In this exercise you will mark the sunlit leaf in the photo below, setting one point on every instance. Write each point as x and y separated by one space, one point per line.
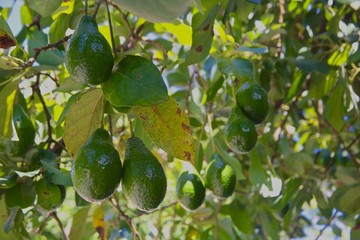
335 109
44 7
168 126
7 98
85 116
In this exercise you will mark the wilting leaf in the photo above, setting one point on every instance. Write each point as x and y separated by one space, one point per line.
168 126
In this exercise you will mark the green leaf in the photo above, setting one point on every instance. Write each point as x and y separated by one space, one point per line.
335 109
7 38
21 195
257 173
339 57
7 98
239 215
48 194
298 163
309 65
238 67
269 224
3 218
78 224
136 82
67 108
58 27
69 85
52 57
44 7
84 117
155 10
168 126
202 36
57 177
213 89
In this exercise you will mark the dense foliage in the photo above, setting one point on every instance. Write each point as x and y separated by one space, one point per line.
301 180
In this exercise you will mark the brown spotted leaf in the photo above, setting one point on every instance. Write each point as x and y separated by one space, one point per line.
7 39
168 127
202 36
84 117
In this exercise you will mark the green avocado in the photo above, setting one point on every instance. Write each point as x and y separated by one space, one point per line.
190 190
96 170
220 178
24 128
253 101
240 133
143 182
88 57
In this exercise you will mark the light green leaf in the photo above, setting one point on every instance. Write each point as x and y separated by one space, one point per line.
85 116
58 27
202 36
339 57
168 126
213 89
155 10
7 98
335 109
136 82
238 67
78 224
44 7
7 38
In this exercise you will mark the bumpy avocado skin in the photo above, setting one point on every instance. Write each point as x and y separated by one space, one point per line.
253 101
97 169
144 182
88 57
220 178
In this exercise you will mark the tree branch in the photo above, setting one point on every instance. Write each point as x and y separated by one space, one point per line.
128 220
36 89
37 51
326 225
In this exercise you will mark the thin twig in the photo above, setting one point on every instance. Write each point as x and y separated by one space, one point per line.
36 89
86 7
97 8
128 220
352 143
326 225
158 209
43 224
111 28
35 22
282 126
37 51
110 125
55 216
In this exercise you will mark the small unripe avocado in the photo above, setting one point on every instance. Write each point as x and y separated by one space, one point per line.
220 178
190 190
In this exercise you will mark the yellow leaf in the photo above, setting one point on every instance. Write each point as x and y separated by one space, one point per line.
85 116
66 7
168 126
99 222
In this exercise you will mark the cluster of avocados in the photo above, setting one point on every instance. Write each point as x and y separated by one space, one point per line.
97 170
220 179
252 107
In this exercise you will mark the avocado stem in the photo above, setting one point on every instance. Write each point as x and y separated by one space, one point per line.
131 127
111 29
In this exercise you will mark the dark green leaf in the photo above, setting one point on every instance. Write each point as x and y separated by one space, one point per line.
238 67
